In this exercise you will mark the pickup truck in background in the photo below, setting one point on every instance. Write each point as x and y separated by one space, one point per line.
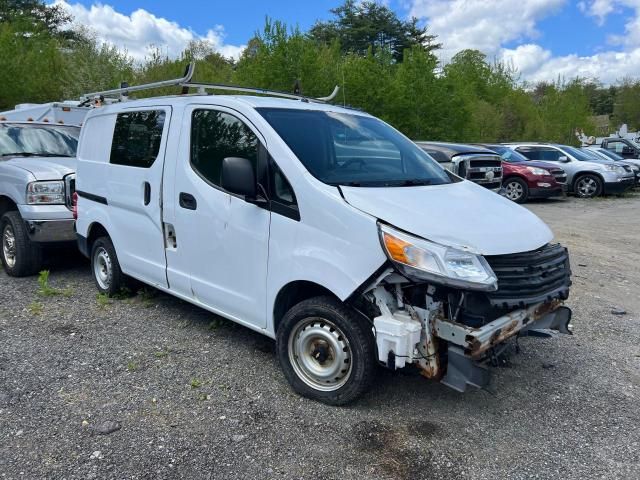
622 146
37 181
476 164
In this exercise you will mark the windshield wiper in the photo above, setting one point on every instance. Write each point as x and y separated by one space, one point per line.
32 154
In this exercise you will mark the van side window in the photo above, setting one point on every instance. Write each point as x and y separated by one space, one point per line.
281 190
136 138
215 136
281 194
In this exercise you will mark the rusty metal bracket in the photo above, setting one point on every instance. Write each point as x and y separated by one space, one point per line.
476 341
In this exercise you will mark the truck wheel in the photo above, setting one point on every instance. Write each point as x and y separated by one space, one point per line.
326 351
516 190
20 256
588 186
105 267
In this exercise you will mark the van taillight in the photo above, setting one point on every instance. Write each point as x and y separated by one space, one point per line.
74 199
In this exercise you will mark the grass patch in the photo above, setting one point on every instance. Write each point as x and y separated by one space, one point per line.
160 354
103 300
132 366
195 383
46 290
35 308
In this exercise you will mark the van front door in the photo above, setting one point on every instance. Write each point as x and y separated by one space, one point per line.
221 241
134 186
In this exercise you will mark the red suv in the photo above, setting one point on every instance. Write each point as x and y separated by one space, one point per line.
523 179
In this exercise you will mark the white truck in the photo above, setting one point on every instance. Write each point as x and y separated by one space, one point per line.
252 208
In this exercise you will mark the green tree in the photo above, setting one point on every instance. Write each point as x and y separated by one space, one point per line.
627 104
363 26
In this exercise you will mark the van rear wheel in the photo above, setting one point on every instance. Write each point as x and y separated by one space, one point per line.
105 267
326 351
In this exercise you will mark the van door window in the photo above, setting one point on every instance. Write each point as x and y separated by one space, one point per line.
137 137
215 136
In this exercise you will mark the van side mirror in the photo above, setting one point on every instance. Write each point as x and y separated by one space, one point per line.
563 159
238 177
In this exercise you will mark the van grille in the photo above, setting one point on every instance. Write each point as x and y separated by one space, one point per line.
531 277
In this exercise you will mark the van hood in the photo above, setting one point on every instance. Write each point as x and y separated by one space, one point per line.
45 168
461 215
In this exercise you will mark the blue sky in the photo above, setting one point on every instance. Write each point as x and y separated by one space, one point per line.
541 38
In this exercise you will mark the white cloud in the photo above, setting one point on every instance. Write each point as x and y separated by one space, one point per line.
481 24
536 64
489 25
136 32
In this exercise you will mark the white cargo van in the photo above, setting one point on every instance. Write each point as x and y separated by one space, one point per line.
319 226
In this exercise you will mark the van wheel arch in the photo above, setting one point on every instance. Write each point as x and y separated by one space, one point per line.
95 231
292 294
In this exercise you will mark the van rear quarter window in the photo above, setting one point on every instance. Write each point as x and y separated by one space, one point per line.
137 137
218 135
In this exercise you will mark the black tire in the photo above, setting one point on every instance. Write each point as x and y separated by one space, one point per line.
517 189
105 267
20 256
588 186
326 317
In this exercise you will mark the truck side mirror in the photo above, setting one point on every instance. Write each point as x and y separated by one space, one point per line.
563 159
238 177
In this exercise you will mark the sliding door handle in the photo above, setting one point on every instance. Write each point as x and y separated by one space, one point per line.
147 193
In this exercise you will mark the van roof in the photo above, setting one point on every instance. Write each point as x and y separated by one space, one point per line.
248 100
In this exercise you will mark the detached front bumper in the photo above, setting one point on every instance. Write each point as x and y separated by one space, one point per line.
51 231
468 346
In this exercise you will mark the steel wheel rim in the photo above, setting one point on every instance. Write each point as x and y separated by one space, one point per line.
587 186
9 246
102 268
320 354
514 191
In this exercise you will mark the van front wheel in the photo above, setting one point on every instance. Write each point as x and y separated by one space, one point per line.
105 267
326 351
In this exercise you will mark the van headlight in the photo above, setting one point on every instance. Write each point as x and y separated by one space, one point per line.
424 260
538 171
45 193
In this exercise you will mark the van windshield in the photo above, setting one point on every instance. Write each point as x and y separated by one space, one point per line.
24 140
354 150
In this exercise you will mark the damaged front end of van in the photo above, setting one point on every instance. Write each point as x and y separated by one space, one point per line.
452 312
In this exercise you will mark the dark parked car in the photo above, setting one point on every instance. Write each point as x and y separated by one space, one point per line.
524 179
477 164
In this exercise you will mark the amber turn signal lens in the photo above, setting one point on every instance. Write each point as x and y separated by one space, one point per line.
396 248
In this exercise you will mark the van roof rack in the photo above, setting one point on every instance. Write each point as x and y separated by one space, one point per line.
122 93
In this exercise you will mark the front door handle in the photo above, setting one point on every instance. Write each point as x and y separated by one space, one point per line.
147 193
187 201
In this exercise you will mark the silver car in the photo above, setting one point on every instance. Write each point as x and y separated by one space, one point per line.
37 180
586 177
605 154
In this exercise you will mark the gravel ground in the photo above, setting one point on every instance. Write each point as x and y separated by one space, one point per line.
152 387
